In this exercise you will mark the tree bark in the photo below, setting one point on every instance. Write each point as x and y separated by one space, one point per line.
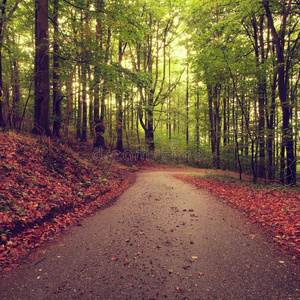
79 107
282 71
56 71
119 100
187 104
42 90
16 118
84 105
3 10
99 140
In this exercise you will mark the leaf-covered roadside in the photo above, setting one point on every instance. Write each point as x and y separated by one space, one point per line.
46 187
276 210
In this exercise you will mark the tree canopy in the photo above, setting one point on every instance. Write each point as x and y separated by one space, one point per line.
211 83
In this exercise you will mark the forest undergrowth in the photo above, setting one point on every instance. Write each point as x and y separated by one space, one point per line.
47 186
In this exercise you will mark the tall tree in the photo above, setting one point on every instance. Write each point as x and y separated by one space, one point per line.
2 17
119 100
57 97
100 94
42 88
283 69
150 53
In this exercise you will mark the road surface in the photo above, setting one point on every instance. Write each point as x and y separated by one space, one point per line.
162 239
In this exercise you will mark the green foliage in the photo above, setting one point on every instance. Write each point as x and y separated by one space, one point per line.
216 39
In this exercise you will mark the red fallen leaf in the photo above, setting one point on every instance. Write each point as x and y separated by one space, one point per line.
114 258
3 239
200 273
126 262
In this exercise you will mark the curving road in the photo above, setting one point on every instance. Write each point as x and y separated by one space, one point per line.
162 239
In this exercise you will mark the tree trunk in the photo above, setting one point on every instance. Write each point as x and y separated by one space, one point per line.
15 83
91 104
56 71
258 45
282 71
119 100
84 105
270 125
215 123
187 104
79 108
119 122
2 123
211 122
84 76
99 140
42 90
197 115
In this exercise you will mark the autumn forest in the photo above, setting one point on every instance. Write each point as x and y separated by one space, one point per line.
213 84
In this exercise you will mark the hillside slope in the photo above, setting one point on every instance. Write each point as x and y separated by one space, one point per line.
46 186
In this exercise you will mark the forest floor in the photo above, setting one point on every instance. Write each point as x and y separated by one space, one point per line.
47 186
161 239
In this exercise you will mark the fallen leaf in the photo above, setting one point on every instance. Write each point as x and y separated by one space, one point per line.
193 258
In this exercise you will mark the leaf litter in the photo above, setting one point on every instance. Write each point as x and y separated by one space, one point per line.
46 187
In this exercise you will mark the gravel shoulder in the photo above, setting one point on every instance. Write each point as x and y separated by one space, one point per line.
162 239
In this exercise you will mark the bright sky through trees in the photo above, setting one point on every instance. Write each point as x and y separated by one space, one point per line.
218 79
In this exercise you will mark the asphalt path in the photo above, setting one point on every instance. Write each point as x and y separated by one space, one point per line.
162 239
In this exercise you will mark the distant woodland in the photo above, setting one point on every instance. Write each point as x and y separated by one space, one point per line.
214 84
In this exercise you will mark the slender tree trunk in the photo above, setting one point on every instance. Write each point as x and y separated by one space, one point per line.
70 97
149 133
261 128
3 10
84 22
119 100
217 122
211 122
56 71
42 89
16 117
99 140
270 125
197 106
225 125
91 105
169 120
79 108
84 105
187 104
